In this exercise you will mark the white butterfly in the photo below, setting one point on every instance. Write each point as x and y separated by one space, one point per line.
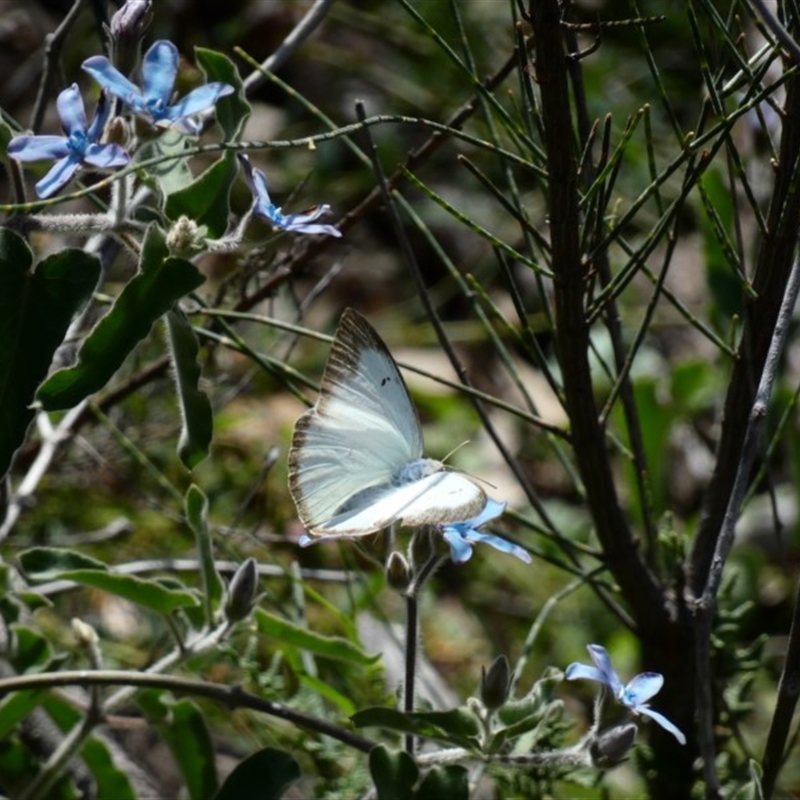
356 465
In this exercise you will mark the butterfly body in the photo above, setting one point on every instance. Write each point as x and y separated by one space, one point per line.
356 464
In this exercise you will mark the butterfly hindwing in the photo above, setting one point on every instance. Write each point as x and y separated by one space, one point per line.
363 428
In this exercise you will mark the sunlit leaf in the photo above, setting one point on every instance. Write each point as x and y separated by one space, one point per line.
333 647
233 109
457 727
196 414
206 199
160 282
42 563
197 517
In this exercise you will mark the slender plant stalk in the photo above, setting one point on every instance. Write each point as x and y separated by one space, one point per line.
706 605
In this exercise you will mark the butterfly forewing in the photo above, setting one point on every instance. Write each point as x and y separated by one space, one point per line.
362 430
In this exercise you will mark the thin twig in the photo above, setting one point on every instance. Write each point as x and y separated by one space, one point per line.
52 438
232 697
307 25
52 51
412 634
774 24
706 605
785 705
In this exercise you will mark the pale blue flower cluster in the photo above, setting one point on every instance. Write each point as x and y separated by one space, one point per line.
633 695
264 207
462 535
152 101
82 143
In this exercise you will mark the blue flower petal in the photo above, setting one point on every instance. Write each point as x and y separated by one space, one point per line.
491 510
577 671
503 545
199 99
37 148
601 658
257 182
461 535
59 175
106 155
663 722
460 548
100 118
264 207
71 111
641 688
111 79
159 70
633 695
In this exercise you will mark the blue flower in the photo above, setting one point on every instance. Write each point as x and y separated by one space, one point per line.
633 695
462 535
79 146
264 207
159 70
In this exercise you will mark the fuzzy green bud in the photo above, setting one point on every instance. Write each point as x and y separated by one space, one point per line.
398 572
242 592
183 235
495 683
611 746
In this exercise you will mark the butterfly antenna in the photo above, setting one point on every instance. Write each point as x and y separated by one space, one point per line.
469 474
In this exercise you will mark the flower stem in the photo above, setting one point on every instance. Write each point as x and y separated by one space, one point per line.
412 625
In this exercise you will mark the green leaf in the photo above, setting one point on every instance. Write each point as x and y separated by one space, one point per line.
197 516
393 772
161 281
40 564
6 135
14 708
110 781
265 775
444 783
206 200
334 647
196 415
36 309
183 727
32 651
457 727
174 174
49 563
233 109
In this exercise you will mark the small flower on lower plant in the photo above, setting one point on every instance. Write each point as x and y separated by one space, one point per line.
462 535
80 145
633 695
264 207
152 101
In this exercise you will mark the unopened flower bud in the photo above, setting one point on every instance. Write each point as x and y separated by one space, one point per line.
398 573
242 592
85 634
88 641
182 236
117 132
611 746
495 683
128 27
